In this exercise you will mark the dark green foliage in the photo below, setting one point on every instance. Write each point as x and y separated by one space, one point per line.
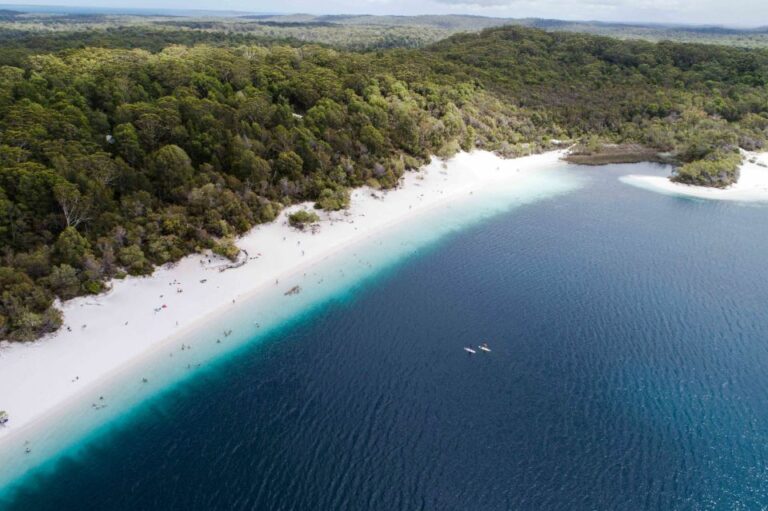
133 260
333 200
25 308
170 170
301 218
63 281
71 248
718 169
226 248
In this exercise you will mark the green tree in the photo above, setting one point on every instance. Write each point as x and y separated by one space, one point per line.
170 169
71 248
289 165
25 309
127 145
64 282
373 139
132 258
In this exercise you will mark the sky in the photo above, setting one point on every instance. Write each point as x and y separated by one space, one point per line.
718 12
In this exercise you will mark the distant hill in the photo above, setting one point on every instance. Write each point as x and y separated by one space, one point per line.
450 24
357 32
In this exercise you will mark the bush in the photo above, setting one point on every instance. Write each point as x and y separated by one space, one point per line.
267 213
719 170
30 325
64 282
26 310
333 200
226 248
132 258
301 218
93 287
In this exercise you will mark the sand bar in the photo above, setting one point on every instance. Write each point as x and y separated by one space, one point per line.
752 185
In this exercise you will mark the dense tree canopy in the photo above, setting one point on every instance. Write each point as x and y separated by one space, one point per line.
116 160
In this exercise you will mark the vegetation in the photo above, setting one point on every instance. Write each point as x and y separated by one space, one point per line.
226 248
333 200
115 160
301 218
21 31
592 152
431 28
718 169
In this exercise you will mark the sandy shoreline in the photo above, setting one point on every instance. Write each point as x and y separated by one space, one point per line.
752 185
111 333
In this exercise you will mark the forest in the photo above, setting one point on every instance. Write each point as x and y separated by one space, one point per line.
116 158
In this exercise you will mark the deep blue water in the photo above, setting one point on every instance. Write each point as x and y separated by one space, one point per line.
629 371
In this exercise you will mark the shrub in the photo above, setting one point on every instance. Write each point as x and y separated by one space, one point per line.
226 248
132 258
26 310
333 200
301 218
64 282
719 169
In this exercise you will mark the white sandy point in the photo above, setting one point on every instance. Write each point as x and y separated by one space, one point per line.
752 185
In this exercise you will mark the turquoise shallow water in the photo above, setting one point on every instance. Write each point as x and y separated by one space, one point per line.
628 372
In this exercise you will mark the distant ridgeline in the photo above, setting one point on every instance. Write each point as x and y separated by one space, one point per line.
113 161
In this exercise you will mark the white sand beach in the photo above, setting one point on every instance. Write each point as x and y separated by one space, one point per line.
105 334
752 185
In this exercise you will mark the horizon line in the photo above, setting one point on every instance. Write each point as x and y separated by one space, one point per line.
235 13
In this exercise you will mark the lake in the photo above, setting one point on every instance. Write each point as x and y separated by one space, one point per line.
628 371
